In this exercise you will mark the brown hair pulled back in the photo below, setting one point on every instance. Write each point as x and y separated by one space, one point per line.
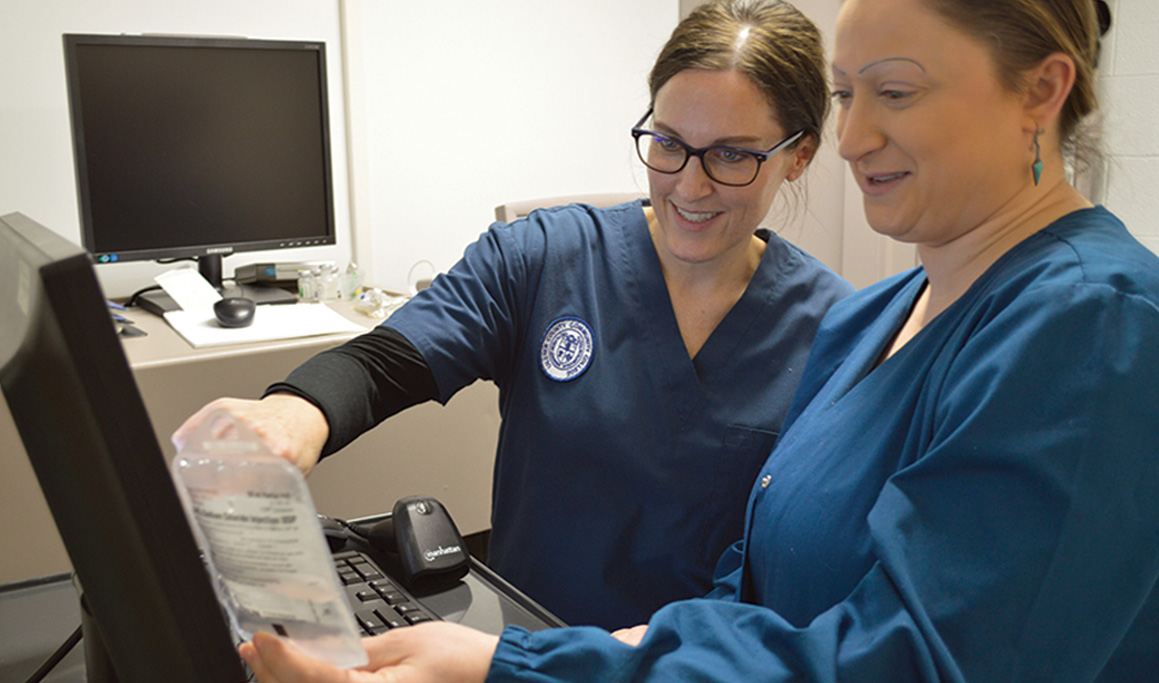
771 42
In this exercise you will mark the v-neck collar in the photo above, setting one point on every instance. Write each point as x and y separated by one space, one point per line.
685 379
764 288
862 362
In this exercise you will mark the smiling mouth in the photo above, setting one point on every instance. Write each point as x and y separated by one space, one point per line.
883 179
696 216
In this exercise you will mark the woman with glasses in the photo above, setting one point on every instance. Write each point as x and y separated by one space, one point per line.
646 354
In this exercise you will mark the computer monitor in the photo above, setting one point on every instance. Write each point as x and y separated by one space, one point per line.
151 613
199 147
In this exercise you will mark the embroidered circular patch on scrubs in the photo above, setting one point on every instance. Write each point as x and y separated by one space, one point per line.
567 349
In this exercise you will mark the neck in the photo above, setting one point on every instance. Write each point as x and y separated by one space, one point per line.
951 267
729 271
703 293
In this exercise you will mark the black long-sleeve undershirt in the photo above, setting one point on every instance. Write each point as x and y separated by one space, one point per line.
361 383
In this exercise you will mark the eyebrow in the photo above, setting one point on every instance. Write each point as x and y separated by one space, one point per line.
879 62
726 141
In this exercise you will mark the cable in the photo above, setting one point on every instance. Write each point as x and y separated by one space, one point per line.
362 531
132 301
380 534
52 661
422 283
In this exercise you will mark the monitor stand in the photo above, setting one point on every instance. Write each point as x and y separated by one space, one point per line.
160 303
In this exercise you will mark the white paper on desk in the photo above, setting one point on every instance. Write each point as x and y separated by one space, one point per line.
271 321
189 289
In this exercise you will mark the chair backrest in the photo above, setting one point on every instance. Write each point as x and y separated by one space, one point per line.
505 213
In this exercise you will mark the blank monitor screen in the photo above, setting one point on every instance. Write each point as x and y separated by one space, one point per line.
199 147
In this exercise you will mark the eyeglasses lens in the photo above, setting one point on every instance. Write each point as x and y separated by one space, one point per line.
722 164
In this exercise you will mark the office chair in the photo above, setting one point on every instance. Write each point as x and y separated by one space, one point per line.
505 213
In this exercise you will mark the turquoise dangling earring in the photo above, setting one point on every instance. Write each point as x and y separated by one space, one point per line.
1037 165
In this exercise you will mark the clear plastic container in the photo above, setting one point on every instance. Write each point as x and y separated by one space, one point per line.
329 282
352 282
252 514
307 285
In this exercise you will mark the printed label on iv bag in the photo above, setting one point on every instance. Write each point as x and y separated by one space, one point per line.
253 517
258 555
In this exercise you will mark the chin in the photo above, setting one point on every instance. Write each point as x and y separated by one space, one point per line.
887 223
891 231
692 253
686 255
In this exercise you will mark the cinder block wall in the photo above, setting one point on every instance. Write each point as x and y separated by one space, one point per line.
1129 89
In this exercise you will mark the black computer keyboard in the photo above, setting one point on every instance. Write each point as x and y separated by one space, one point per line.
379 602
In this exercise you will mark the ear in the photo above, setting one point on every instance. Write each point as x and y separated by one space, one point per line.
801 156
1048 86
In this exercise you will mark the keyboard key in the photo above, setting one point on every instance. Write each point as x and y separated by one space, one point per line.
394 597
367 571
391 618
368 619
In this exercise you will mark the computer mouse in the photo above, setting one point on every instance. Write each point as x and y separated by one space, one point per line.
234 311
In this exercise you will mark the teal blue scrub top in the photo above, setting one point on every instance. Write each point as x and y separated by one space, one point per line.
981 506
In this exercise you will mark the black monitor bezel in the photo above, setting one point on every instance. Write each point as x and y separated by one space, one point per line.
216 250
88 436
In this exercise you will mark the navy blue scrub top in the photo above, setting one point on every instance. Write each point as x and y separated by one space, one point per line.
623 465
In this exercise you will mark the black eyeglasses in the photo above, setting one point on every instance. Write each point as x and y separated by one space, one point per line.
733 166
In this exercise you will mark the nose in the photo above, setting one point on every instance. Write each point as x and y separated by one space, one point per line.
857 132
692 182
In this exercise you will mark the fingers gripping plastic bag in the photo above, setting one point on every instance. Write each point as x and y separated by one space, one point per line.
254 519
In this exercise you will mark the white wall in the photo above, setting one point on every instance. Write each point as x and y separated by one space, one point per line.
36 164
469 105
